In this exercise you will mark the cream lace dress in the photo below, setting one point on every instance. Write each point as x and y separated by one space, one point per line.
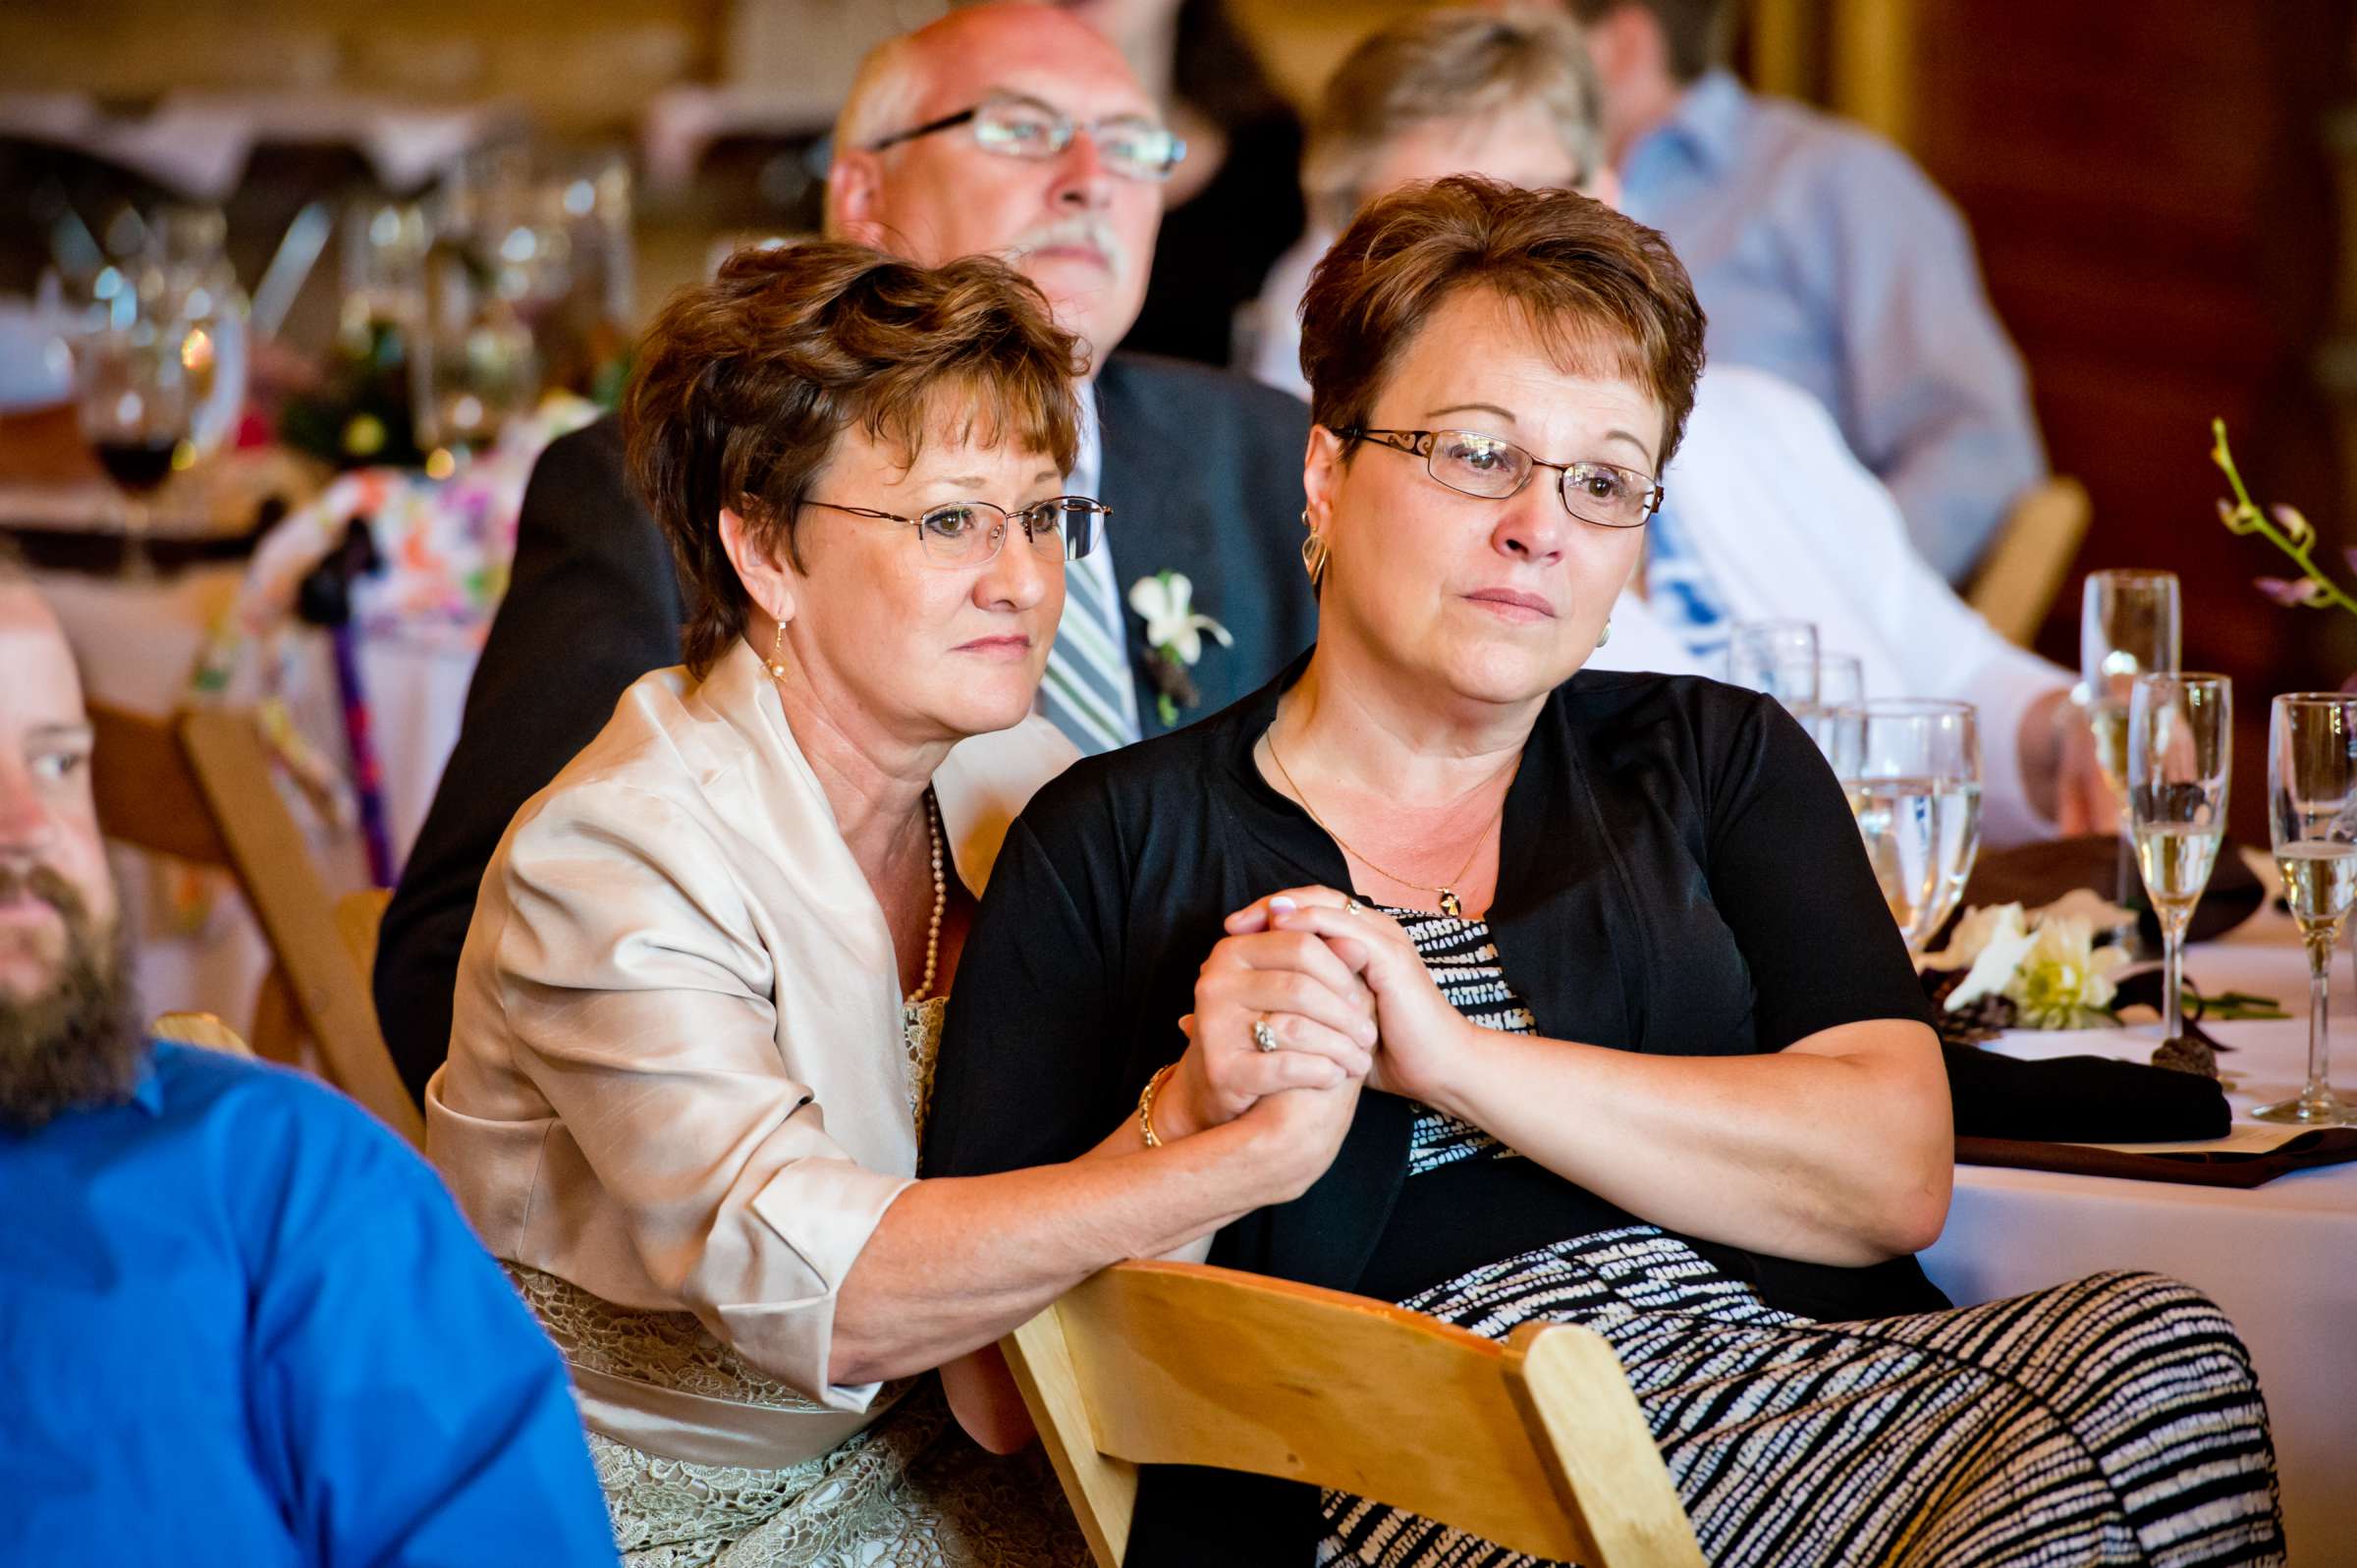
910 1490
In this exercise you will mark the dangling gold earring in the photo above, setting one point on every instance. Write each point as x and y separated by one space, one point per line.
777 654
1313 553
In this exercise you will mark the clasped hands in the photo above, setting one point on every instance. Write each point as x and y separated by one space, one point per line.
1347 1002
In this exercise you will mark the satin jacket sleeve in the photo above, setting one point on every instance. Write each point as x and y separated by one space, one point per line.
637 999
677 1076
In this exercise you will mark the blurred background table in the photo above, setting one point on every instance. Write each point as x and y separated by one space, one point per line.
2280 1259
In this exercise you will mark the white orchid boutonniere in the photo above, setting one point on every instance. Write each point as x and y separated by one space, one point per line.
1174 638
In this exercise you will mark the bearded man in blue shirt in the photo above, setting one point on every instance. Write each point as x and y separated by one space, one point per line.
241 1322
1824 255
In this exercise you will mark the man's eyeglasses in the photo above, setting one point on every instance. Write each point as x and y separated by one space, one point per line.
1134 146
971 533
1495 469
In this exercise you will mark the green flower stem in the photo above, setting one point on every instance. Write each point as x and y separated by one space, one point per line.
2248 518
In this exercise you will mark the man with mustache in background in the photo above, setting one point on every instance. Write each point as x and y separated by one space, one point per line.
1008 129
243 1323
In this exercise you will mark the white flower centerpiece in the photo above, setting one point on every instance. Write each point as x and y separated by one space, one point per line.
2046 965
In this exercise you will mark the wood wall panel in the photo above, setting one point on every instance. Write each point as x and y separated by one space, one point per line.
2148 184
2155 207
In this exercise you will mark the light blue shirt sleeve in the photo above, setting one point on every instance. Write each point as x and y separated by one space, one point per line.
1936 402
413 1409
1825 255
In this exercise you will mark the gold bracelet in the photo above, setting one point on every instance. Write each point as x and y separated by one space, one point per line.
1145 1104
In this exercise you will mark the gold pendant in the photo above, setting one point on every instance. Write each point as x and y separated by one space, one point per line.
1450 907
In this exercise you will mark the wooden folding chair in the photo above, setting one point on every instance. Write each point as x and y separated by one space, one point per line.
2024 568
199 785
358 917
1536 1444
200 1029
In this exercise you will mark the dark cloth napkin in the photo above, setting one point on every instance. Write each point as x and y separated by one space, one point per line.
2321 1146
2081 1099
2034 875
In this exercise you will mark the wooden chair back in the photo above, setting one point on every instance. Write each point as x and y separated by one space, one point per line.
203 1030
358 917
1536 1444
199 785
2024 568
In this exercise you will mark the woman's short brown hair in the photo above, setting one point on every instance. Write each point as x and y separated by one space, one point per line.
1601 292
745 383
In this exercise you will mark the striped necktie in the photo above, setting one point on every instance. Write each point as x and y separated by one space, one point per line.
1088 693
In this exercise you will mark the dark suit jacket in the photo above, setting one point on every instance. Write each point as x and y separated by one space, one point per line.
1203 471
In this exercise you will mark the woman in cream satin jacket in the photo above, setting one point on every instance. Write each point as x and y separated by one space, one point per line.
696 1008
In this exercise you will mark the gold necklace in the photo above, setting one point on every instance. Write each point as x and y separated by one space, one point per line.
1450 904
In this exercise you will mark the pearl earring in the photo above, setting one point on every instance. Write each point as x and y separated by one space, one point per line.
777 654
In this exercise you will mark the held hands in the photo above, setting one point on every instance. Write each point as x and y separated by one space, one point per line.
1318 1014
1424 1040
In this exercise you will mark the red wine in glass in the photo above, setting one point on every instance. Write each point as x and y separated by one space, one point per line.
137 466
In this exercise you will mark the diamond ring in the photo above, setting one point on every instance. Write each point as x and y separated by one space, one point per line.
1354 906
1263 1036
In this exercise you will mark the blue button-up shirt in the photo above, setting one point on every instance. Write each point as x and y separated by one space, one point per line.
1821 252
240 1323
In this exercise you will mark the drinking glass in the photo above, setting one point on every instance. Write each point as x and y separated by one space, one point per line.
196 291
1914 784
2129 625
137 406
2181 754
1841 684
1778 657
2311 816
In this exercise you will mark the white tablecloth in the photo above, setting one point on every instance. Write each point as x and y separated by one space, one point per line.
2280 1259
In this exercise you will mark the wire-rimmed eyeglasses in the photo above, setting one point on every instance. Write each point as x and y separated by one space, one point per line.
1134 146
971 533
1492 468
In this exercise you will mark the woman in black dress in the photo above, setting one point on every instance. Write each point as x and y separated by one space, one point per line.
1651 1057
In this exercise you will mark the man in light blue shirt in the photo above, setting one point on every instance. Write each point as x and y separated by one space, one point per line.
1822 253
241 1323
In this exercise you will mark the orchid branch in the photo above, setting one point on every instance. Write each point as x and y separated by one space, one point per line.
2288 530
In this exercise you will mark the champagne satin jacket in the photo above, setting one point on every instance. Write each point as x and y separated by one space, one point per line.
677 1076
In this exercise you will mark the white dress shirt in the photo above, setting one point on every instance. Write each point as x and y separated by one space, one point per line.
1788 525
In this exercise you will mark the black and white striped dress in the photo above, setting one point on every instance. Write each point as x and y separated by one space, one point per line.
2114 1420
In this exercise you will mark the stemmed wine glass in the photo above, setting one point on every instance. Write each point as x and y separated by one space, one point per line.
1914 783
138 403
2181 754
2311 816
2129 625
1777 657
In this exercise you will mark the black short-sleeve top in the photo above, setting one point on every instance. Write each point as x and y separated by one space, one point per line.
1679 873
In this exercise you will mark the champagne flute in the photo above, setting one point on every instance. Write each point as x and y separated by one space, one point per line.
2311 816
2181 754
2129 625
1914 784
1777 657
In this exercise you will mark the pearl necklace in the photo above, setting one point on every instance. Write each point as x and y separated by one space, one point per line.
941 904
